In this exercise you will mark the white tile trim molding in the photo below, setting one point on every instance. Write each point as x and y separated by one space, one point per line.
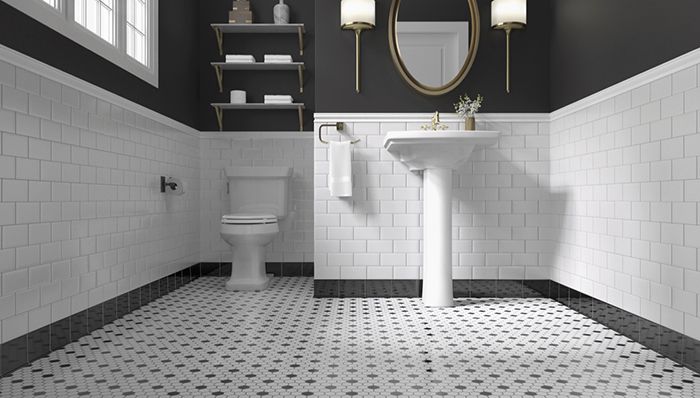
677 64
424 117
28 63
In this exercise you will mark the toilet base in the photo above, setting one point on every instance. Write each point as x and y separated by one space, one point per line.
249 285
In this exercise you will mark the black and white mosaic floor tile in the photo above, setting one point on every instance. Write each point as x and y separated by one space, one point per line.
203 341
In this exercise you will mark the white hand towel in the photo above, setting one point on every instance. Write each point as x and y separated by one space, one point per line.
340 169
278 99
278 58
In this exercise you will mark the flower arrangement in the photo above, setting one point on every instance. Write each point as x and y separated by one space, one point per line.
467 107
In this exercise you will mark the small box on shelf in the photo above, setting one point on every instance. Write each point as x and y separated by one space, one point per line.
240 17
241 5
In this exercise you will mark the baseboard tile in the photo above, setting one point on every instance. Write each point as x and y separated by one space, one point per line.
36 344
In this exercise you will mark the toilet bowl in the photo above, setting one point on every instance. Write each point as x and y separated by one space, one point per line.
248 234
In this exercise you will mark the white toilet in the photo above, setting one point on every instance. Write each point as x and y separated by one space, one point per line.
258 201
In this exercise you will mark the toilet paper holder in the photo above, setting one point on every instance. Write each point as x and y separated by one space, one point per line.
169 184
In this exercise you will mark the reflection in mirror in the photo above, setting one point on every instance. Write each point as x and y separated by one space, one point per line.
433 39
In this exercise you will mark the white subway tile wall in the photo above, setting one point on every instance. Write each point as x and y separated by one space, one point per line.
295 240
500 229
626 170
82 219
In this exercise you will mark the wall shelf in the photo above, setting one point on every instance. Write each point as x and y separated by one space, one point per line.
266 28
219 108
220 67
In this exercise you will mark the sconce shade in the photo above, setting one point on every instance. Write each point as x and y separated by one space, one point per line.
357 11
505 12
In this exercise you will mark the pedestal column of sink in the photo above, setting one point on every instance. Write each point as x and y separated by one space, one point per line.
437 237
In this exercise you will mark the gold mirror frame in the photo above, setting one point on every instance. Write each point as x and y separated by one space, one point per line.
401 67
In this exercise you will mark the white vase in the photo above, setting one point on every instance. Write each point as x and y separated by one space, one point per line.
281 13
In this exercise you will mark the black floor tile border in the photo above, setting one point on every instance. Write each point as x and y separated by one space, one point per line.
681 348
344 288
277 269
19 352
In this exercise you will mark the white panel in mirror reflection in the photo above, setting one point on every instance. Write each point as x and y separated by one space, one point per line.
433 52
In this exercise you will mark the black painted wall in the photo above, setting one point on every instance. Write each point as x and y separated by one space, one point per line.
255 83
597 43
176 96
383 90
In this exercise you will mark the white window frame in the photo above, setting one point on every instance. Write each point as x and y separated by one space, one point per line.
61 20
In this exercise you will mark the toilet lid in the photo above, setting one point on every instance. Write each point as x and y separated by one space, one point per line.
248 219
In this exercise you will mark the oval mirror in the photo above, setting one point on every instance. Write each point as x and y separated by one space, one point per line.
433 43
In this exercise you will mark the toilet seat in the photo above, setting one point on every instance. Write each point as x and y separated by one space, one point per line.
248 219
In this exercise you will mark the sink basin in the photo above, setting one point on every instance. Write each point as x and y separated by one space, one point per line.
421 150
437 153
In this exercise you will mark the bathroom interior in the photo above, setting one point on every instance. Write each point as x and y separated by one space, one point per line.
349 198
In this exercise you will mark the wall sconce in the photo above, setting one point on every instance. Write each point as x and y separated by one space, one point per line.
357 15
508 15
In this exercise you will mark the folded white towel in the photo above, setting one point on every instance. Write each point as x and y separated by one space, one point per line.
240 58
278 58
340 169
278 97
279 102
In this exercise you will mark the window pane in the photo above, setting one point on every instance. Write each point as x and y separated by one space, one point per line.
52 3
97 16
137 29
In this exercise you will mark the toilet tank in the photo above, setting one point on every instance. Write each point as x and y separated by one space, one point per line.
261 190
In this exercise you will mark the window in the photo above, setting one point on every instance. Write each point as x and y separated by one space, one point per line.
124 32
97 16
52 3
136 30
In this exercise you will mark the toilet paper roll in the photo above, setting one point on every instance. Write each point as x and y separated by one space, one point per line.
238 97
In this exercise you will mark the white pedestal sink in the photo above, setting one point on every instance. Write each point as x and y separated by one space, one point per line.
437 153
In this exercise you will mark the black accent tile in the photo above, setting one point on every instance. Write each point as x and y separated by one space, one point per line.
210 269
95 317
78 325
461 288
145 294
14 354
482 288
649 334
671 343
60 333
274 268
110 311
291 269
535 288
509 288
307 269
586 306
225 269
352 288
691 354
326 288
154 289
553 290
406 288
39 343
135 300
378 288
163 287
122 305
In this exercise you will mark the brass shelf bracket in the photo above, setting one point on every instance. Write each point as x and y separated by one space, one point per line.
219 117
219 77
300 68
300 31
219 40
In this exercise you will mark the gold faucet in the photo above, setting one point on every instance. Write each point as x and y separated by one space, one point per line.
435 124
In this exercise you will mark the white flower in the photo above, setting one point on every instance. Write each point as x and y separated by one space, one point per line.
467 107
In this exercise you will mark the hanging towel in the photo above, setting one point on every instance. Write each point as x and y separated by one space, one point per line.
340 169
